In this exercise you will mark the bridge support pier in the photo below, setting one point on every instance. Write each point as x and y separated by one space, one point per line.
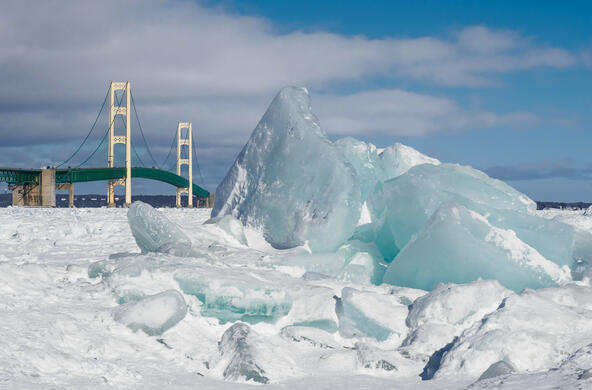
40 194
70 188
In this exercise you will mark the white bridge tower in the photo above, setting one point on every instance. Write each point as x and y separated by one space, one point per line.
114 110
185 161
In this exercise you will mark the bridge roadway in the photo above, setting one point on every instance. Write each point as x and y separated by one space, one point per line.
15 176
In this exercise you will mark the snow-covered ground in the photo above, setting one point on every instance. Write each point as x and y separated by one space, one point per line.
256 312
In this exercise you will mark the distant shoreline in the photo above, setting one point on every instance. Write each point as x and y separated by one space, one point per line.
95 200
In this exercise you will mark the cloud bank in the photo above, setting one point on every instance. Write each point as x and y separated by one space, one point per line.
219 70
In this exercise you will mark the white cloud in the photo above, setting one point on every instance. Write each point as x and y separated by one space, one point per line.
220 70
396 112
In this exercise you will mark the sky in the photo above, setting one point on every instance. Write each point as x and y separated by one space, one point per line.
504 86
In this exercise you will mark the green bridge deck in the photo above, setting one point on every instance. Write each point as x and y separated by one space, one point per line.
17 176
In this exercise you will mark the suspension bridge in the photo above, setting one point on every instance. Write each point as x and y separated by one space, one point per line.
100 158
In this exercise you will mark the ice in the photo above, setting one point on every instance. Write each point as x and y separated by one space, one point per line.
354 262
446 311
363 263
315 337
373 165
232 227
401 206
248 356
59 331
572 373
312 306
529 330
154 314
497 369
459 245
555 240
290 181
369 314
372 358
363 157
232 296
397 159
156 233
234 345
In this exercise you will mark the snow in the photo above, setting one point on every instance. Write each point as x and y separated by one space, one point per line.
436 318
59 330
154 314
322 265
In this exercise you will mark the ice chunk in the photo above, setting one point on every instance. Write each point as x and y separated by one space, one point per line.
290 181
373 165
312 306
497 369
154 314
363 263
230 226
555 240
329 264
572 295
397 159
459 245
242 363
531 331
231 297
373 358
246 355
405 204
369 314
155 233
364 159
436 318
354 262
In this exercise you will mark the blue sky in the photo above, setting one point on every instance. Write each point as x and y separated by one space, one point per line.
502 86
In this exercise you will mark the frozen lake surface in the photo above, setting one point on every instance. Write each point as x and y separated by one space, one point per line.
228 313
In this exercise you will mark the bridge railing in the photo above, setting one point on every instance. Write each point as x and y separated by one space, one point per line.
15 176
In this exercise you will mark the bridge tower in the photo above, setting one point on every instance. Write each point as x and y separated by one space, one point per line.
114 110
185 161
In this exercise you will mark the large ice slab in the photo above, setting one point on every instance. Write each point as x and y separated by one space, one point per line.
401 206
156 233
459 245
233 296
154 314
290 181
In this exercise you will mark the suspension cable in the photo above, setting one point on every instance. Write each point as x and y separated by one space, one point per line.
194 147
89 133
93 153
104 137
163 165
142 131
